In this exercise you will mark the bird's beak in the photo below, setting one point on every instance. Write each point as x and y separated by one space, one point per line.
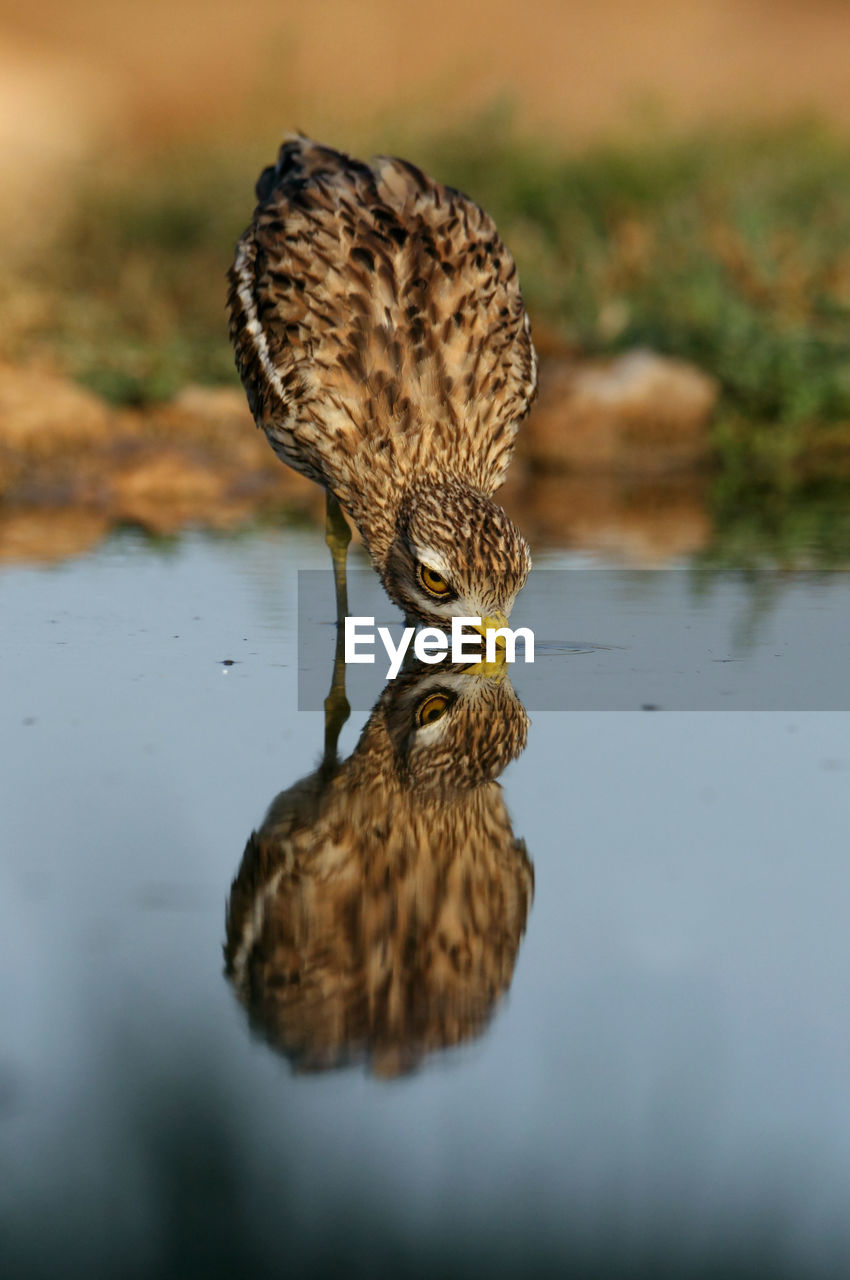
494 623
496 671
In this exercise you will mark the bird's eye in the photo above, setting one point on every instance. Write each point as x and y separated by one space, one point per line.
432 709
433 582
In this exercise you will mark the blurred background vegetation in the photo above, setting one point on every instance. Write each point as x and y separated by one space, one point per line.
729 250
676 178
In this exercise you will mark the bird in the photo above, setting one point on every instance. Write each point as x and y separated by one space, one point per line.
382 339
377 913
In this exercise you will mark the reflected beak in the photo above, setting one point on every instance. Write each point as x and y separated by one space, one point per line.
497 670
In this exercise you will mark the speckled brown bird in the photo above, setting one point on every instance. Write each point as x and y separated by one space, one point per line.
382 339
377 913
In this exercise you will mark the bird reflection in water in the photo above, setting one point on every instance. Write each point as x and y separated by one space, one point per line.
377 913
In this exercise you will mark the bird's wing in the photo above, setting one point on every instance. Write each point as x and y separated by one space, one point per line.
370 305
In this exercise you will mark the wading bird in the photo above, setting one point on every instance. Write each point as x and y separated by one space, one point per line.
382 340
378 911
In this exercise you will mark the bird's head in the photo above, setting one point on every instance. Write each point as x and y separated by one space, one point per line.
451 728
455 553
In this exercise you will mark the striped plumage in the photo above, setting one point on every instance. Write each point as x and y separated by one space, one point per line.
385 350
377 913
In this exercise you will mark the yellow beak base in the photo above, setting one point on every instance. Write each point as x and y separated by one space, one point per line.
494 623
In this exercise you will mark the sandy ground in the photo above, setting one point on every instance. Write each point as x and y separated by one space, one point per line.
76 78
613 455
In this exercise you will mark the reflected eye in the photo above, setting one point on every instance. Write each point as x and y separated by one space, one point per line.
433 582
432 709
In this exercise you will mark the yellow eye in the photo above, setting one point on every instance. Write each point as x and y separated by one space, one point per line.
432 709
433 582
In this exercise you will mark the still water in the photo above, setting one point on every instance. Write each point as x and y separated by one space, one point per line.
609 1034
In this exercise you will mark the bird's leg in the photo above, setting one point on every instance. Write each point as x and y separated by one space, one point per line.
337 708
338 536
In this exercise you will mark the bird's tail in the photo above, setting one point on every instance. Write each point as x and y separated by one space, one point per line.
300 161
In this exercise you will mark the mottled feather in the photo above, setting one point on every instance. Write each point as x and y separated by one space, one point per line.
378 911
380 332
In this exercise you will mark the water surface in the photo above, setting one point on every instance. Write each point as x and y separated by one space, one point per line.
660 1087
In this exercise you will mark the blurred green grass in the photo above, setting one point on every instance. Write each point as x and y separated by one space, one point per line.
758 524
730 251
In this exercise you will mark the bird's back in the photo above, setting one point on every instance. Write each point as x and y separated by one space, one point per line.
378 324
